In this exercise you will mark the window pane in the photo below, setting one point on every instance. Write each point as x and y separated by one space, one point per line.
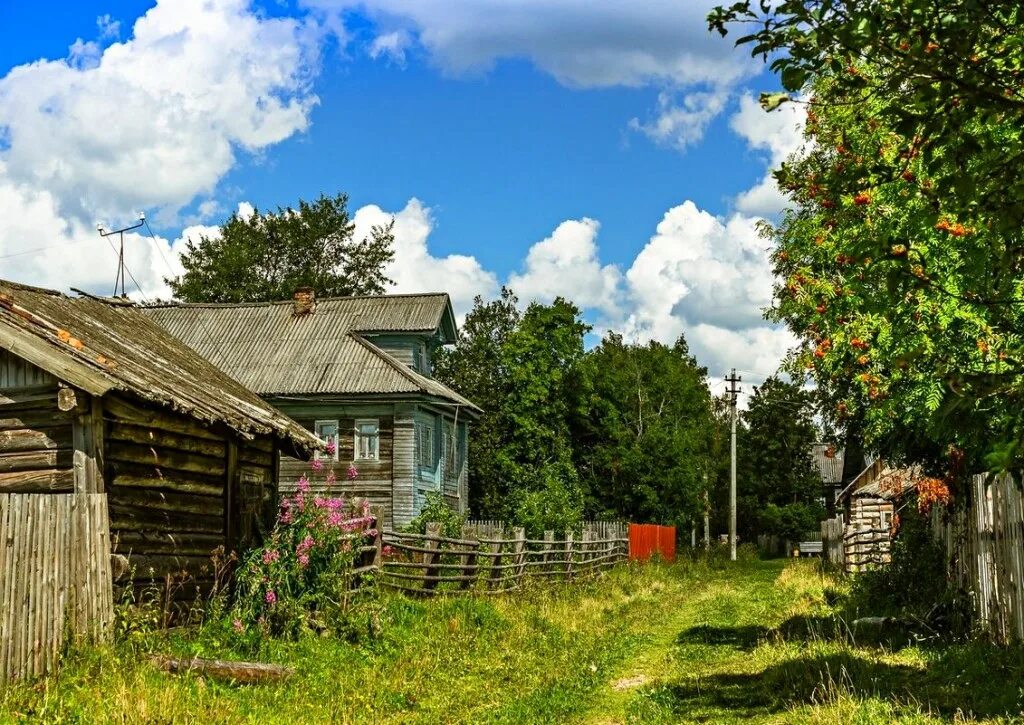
367 437
327 431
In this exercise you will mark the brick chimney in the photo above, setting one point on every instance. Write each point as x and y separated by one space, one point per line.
303 301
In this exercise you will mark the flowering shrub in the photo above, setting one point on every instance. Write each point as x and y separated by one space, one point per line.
300 578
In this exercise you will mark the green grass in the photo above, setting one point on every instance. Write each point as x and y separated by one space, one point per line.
685 643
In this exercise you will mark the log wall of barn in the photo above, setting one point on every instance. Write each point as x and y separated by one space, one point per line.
35 436
166 486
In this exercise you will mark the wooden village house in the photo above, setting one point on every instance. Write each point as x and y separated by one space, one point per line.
357 372
95 397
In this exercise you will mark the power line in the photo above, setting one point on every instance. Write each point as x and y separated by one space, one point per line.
199 318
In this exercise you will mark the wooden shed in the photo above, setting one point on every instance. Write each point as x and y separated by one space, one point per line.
97 398
870 504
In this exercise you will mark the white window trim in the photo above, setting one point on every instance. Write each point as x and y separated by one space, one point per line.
356 436
337 435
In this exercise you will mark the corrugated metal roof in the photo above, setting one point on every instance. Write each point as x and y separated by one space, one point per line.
102 345
830 467
271 351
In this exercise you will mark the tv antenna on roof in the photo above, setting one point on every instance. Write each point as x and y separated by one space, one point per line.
119 279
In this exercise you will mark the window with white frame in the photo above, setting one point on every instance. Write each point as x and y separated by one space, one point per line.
367 439
327 432
425 445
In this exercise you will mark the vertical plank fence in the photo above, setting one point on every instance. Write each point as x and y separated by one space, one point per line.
832 541
55 578
985 549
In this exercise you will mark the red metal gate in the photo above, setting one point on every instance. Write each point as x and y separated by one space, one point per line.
645 540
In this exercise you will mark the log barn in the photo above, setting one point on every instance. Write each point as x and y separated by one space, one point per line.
97 398
358 372
870 504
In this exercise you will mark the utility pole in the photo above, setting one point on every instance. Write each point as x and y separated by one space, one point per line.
734 390
707 516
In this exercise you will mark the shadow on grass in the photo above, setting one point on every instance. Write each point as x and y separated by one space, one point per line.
974 678
728 696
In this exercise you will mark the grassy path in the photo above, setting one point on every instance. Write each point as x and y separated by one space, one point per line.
692 642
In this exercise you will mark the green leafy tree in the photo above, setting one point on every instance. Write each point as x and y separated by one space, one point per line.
520 368
779 489
900 263
642 430
268 255
475 367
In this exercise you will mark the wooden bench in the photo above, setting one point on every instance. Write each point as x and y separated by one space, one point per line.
810 548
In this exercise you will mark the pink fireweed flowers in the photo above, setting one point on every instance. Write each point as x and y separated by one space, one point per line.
239 627
353 472
331 447
303 485
303 560
270 556
270 597
317 464
331 478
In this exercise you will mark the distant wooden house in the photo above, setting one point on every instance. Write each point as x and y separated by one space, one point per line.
97 398
868 506
829 462
356 371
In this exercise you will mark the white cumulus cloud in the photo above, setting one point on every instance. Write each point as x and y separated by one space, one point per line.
415 268
567 264
779 134
150 122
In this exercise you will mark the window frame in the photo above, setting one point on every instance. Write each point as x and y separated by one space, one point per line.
357 436
337 436
428 428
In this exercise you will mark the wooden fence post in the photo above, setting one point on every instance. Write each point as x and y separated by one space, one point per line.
549 538
568 556
519 534
430 559
378 540
496 570
469 559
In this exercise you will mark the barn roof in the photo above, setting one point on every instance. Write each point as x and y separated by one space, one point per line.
329 351
102 345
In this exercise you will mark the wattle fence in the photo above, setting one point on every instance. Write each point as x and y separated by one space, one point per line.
430 563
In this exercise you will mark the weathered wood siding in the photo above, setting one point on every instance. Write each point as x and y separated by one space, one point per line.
17 373
404 464
167 489
35 436
375 478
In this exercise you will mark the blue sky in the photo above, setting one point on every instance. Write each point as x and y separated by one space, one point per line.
613 155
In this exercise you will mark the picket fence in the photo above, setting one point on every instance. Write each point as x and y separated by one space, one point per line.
426 564
55 578
985 549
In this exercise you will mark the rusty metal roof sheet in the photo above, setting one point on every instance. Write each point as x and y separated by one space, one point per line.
272 351
100 345
830 467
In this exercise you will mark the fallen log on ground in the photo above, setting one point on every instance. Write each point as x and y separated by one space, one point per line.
242 672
